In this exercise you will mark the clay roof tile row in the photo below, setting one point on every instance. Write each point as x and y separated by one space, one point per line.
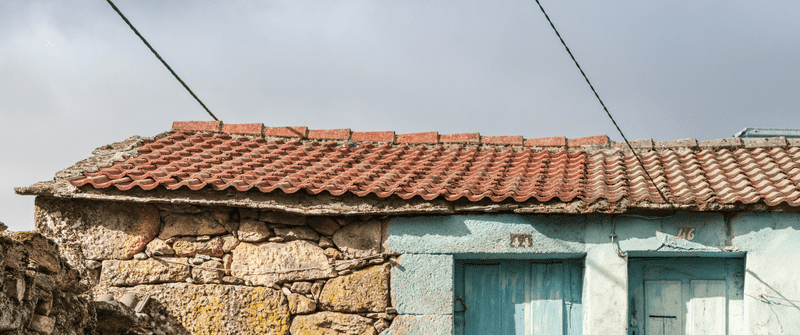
197 155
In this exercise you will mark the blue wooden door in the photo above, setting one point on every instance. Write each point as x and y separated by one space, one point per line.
518 297
686 296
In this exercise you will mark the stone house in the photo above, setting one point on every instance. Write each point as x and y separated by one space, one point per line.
249 229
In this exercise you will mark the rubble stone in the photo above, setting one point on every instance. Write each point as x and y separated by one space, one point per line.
252 230
126 227
14 287
229 242
299 304
220 309
42 324
302 287
11 313
297 233
323 225
330 323
226 263
151 271
160 248
359 239
16 254
325 242
332 253
283 218
191 225
140 256
264 257
41 251
363 291
206 276
114 317
188 247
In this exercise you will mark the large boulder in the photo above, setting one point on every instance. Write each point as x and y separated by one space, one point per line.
360 239
206 223
149 271
119 231
330 323
219 309
272 263
366 290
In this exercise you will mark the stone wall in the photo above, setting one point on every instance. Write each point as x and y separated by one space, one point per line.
218 270
39 290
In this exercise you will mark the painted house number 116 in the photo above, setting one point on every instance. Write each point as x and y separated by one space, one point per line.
686 233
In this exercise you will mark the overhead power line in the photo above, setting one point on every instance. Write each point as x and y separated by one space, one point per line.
602 104
161 59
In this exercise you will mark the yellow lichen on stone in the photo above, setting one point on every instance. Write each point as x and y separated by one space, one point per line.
260 313
220 309
205 316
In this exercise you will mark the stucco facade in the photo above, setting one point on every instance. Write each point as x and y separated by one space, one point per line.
766 241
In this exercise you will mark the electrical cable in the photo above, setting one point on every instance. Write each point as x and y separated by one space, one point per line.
602 104
161 59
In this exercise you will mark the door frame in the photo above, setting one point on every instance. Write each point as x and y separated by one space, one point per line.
729 269
577 284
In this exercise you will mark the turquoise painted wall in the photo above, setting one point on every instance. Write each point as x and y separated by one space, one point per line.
423 281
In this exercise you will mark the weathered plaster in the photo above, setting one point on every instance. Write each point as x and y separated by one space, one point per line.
423 284
771 285
421 324
475 236
768 239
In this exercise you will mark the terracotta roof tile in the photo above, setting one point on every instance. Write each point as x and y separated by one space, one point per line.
471 167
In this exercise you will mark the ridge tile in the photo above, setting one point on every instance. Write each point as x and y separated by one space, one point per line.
591 140
428 137
558 141
197 125
243 128
330 134
298 131
373 136
510 140
460 138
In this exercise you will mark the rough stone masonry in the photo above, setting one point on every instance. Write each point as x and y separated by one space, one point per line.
224 270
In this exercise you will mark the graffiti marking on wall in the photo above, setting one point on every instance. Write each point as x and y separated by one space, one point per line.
686 233
521 241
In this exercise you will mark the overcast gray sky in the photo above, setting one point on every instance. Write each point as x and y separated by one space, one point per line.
73 76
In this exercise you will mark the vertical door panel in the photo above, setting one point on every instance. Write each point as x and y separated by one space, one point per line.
735 295
520 298
513 286
481 292
573 290
707 308
663 307
547 301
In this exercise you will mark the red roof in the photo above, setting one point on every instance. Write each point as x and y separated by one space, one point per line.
198 155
